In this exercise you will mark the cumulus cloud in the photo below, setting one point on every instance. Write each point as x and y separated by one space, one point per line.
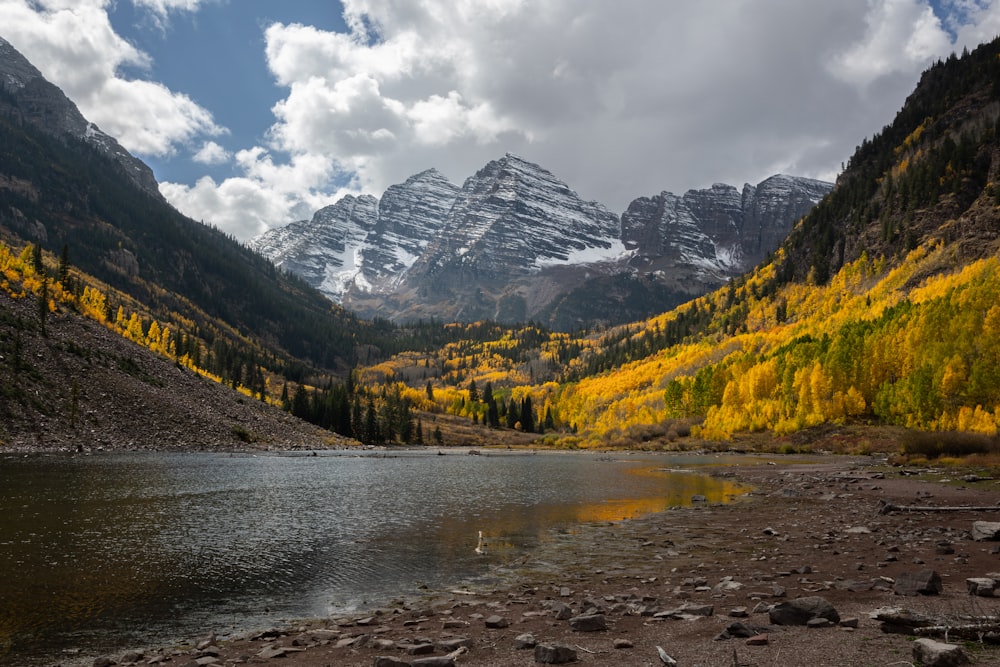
901 35
617 99
248 205
212 153
74 45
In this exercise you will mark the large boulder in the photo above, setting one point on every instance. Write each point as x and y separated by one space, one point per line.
924 582
802 610
985 530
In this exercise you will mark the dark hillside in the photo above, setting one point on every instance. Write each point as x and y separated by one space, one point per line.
930 174
60 192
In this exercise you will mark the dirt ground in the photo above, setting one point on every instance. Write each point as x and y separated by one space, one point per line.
804 530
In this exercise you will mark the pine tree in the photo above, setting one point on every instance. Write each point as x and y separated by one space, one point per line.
43 305
63 275
527 416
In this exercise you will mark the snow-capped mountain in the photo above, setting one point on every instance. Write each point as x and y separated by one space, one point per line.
513 218
51 111
514 242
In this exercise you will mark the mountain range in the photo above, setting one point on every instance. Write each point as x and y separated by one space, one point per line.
515 243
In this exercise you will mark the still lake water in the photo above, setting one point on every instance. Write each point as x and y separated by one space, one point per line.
101 553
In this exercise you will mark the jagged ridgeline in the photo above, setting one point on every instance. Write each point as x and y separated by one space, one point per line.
514 243
882 306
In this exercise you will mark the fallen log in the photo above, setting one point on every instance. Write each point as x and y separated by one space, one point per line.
895 620
985 632
889 508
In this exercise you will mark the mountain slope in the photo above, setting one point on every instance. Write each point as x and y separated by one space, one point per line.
881 305
62 190
46 107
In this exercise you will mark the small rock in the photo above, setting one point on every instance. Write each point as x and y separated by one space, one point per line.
981 586
497 622
698 609
554 654
924 582
849 622
818 623
388 661
562 611
623 644
419 649
589 623
738 612
801 610
527 640
758 640
453 644
698 498
930 653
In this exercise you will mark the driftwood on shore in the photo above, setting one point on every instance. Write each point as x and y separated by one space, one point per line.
906 622
889 508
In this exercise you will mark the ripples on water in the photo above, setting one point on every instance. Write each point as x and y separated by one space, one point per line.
130 549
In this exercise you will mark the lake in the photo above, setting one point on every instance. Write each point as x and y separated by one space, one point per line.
105 552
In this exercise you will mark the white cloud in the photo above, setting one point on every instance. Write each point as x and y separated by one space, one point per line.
617 99
249 204
212 153
74 45
901 36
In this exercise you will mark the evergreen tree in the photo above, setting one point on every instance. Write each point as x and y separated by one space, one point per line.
513 413
370 433
63 275
527 416
36 259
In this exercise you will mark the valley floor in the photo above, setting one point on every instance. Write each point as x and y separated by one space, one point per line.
804 530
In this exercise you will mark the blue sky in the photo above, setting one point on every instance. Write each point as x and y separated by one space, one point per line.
216 55
254 113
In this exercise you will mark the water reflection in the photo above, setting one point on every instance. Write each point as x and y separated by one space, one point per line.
131 549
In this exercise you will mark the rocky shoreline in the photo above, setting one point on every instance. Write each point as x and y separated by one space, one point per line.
795 573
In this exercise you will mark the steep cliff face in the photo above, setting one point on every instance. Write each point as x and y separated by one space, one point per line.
515 242
44 105
325 251
718 232
513 218
410 216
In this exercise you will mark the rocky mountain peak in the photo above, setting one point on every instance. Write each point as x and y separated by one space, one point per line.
44 105
514 241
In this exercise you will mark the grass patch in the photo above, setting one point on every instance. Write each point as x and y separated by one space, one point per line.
242 434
